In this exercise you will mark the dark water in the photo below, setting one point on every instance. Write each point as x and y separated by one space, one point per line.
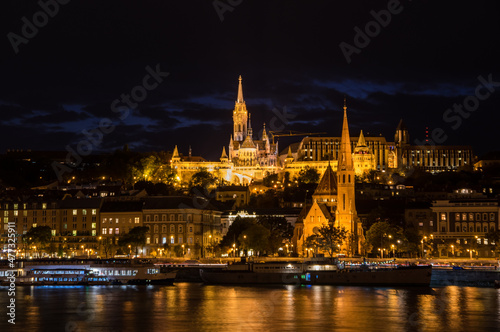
197 307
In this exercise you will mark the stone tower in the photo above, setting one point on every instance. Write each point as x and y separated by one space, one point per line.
240 116
346 207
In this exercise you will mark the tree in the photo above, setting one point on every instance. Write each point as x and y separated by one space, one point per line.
331 238
312 242
270 180
202 178
136 238
109 248
308 175
255 237
382 235
237 227
494 238
280 231
38 236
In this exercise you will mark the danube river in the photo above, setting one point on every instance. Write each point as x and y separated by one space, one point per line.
198 307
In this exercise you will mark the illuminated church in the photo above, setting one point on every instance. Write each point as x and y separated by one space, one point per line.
333 200
250 158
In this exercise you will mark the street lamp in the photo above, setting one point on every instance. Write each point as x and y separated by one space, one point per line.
453 250
234 250
182 250
210 242
129 250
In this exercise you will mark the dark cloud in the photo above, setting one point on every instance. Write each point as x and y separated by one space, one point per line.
91 53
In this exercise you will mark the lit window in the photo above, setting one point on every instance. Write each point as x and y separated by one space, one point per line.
94 232
104 231
110 231
44 206
75 212
94 225
53 232
164 240
172 240
117 230
136 220
443 216
84 212
74 232
94 212
180 239
148 240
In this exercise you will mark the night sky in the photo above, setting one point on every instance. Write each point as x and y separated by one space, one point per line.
66 77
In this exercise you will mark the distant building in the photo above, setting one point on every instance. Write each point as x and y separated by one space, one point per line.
464 223
239 194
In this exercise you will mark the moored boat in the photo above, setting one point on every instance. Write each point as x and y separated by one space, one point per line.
318 273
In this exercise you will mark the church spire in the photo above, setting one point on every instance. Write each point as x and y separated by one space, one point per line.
249 131
264 133
240 92
361 140
175 155
345 162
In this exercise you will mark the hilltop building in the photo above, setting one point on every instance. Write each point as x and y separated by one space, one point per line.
249 158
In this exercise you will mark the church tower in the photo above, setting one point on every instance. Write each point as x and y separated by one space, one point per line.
240 116
346 208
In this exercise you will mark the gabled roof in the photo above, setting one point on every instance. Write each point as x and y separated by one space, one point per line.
328 183
248 143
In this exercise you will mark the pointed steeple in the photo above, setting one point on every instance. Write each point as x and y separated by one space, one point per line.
345 157
240 92
223 157
249 130
175 155
264 133
361 140
289 157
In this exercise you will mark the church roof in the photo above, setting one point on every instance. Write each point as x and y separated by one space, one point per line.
224 154
248 143
328 183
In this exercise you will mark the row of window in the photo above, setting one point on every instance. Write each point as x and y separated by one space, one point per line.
180 228
137 220
172 217
478 228
156 240
471 216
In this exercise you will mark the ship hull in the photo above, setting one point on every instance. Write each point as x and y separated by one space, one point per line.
406 276
411 276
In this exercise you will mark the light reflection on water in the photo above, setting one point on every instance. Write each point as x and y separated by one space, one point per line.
197 307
